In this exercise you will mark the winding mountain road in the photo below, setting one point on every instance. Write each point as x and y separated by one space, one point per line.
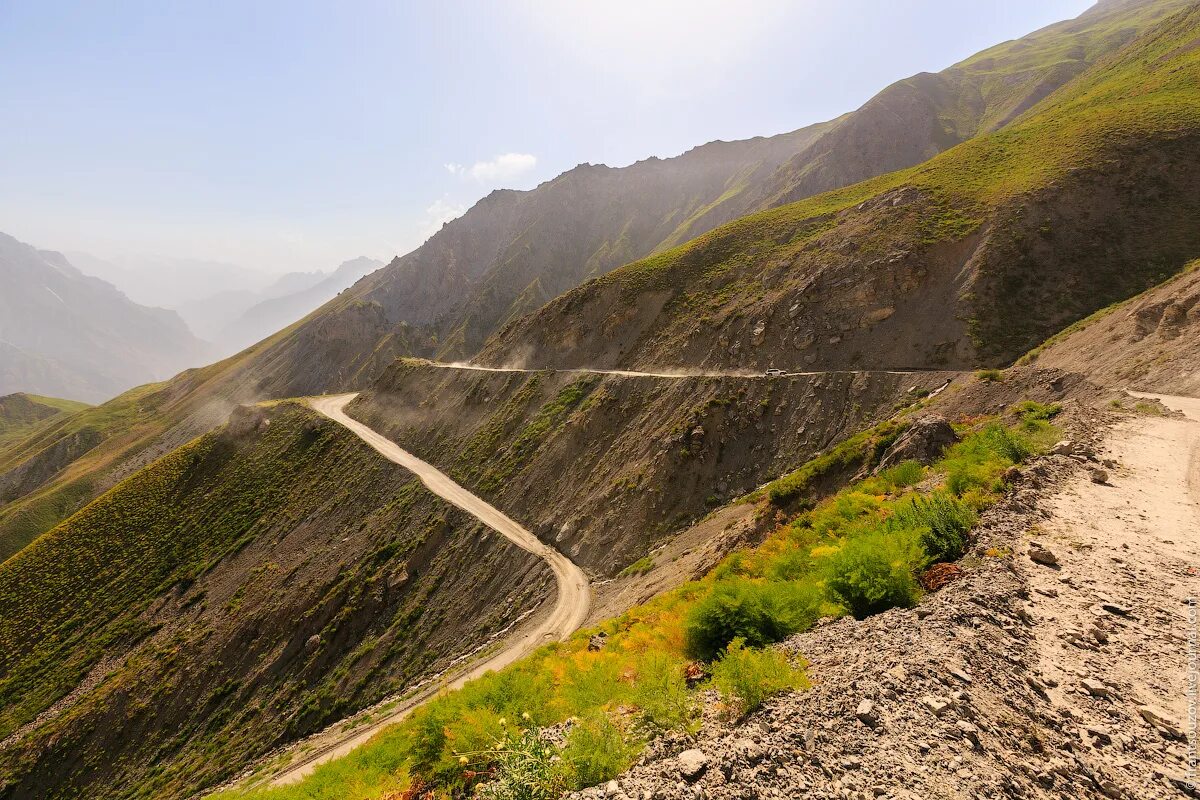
569 612
681 373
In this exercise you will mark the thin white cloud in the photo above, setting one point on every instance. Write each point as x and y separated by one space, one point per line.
438 214
501 169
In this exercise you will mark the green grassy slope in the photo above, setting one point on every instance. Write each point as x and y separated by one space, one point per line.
21 413
176 613
972 257
820 559
915 118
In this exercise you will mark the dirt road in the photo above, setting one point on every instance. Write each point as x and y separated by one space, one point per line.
569 612
1119 601
680 373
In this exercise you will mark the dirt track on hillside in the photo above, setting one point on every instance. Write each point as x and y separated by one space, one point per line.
1018 680
679 373
570 609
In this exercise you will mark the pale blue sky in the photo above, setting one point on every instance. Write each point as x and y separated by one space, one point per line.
294 135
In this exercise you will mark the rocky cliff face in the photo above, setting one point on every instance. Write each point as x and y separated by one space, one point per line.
605 466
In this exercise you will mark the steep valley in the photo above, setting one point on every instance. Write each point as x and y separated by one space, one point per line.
199 574
607 466
242 591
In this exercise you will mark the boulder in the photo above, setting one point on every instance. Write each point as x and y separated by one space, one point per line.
866 713
924 441
692 763
1040 555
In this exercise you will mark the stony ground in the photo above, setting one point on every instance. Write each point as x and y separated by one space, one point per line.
1063 676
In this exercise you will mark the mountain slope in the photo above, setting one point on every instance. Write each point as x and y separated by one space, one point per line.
1151 342
65 334
242 591
558 228
514 251
279 311
915 119
969 259
20 413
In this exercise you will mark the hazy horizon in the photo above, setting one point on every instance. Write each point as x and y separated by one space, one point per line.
282 138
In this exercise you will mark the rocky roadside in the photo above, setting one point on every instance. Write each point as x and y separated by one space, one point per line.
1055 667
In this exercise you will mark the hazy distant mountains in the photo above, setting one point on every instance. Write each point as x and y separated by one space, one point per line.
228 305
65 334
277 311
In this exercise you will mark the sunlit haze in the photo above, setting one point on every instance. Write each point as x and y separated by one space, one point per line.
285 136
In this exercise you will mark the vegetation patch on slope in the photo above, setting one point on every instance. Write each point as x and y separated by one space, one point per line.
612 688
240 592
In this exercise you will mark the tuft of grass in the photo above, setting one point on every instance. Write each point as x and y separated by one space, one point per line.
747 678
874 569
661 692
598 750
639 567
989 375
945 523
757 613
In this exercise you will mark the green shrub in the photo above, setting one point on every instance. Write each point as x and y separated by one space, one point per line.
661 691
945 523
597 750
525 767
873 570
980 458
792 564
1007 444
746 678
847 507
639 567
1033 410
990 375
901 476
594 684
757 612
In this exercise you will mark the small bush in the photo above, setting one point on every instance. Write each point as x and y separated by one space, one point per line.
639 567
597 750
594 683
1005 443
758 613
661 692
792 564
903 475
873 570
525 767
1033 410
747 678
990 375
945 523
